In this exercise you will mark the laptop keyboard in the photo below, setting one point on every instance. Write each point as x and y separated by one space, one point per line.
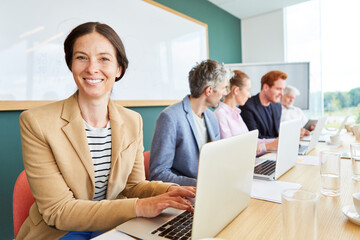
265 168
177 228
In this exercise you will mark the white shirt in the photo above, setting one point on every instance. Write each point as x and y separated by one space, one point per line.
291 113
201 130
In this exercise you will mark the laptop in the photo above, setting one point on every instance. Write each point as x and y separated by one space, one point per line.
326 137
305 149
271 166
342 125
224 183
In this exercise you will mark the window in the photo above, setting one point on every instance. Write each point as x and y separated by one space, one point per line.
324 33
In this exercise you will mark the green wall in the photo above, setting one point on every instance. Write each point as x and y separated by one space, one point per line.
224 46
10 166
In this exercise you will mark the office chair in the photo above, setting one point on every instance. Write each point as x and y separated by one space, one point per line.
22 201
146 164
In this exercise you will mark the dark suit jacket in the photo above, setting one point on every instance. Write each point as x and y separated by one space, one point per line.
254 115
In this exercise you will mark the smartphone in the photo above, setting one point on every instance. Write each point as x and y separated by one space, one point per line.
309 123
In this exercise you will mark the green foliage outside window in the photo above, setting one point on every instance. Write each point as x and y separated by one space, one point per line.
335 101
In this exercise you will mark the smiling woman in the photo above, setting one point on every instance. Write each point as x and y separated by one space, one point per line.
84 155
94 66
95 71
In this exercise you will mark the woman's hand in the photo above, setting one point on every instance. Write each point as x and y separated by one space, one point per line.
190 189
271 147
258 149
175 198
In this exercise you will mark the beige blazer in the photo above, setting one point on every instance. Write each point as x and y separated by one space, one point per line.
60 171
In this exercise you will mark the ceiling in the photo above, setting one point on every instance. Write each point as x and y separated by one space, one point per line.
248 8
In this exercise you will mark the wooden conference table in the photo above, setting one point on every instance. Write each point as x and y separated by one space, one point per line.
263 219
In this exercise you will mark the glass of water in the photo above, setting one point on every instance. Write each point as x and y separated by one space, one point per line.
299 213
355 159
330 173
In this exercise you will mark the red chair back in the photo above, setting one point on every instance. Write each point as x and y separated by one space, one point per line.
146 164
22 201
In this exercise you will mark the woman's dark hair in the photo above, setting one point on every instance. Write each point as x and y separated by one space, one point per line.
102 29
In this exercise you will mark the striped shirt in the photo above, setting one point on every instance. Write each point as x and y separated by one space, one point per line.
99 141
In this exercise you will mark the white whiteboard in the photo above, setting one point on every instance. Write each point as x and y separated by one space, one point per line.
298 76
161 47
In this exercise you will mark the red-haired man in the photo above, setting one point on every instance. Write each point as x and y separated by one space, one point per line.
262 111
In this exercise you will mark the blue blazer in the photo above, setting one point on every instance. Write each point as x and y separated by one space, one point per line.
174 152
254 115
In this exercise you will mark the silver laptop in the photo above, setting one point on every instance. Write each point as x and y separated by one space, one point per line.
273 165
305 149
342 125
224 182
326 137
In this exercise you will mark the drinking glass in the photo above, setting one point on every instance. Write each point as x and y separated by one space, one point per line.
299 212
330 173
355 159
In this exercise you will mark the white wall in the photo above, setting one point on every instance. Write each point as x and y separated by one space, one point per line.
263 38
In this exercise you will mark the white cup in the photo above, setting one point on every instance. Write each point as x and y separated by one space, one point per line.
330 173
335 139
356 199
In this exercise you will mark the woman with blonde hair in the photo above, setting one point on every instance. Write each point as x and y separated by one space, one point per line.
228 114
